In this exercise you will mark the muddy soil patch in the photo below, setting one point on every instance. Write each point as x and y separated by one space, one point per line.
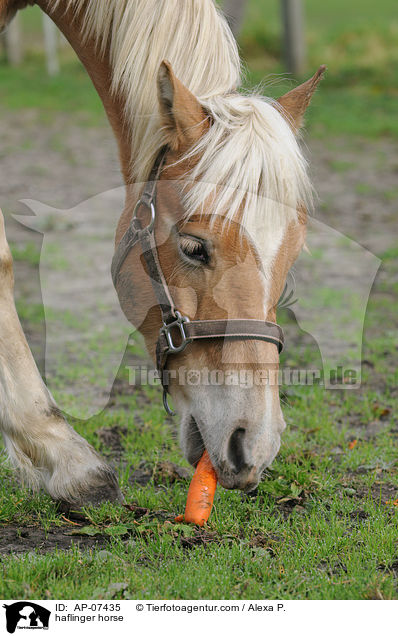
19 540
163 473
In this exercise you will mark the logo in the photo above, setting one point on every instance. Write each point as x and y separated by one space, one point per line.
26 615
326 299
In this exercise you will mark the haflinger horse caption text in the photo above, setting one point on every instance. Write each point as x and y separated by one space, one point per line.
135 616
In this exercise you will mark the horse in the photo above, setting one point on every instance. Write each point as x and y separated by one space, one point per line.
218 181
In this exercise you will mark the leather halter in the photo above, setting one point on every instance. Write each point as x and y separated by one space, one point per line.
173 322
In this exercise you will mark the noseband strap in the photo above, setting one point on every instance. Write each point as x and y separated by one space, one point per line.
178 331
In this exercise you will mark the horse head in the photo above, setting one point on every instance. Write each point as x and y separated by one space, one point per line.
230 221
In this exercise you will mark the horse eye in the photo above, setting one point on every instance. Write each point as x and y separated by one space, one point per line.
194 248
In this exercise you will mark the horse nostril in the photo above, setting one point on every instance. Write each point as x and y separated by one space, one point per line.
236 452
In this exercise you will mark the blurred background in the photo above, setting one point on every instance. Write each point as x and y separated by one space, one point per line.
358 40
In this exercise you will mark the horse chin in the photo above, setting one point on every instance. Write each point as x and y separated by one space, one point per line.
251 481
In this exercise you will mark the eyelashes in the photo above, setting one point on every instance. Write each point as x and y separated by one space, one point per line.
194 248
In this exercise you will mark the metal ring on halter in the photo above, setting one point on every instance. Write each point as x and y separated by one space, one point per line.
179 323
172 348
151 207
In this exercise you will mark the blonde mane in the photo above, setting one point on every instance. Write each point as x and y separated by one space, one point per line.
249 159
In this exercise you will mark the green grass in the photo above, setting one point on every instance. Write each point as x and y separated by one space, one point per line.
358 41
339 541
28 253
323 524
29 87
32 313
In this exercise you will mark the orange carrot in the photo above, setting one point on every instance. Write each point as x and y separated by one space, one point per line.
201 493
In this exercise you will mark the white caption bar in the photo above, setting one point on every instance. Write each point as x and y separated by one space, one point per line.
136 616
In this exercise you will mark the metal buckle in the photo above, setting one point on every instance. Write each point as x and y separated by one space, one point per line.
166 329
150 207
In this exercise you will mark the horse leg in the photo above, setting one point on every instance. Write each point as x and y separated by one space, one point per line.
39 441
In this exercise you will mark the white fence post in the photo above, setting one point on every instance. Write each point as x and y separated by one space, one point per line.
12 41
50 43
234 11
294 40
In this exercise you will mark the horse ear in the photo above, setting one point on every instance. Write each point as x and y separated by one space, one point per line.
295 102
183 118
